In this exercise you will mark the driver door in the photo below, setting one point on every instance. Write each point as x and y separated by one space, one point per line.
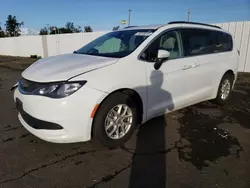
173 85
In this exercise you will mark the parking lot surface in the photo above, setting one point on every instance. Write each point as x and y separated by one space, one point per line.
204 145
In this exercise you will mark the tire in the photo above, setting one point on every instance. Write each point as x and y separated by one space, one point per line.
227 78
100 122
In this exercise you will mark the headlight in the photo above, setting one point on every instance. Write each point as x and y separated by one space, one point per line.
59 90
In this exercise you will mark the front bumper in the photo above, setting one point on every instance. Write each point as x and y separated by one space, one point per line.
72 114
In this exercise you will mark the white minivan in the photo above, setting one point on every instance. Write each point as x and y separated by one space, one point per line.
124 78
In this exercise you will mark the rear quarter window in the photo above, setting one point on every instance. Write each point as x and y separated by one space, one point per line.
204 41
224 42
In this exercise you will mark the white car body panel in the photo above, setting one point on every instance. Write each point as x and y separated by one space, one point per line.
63 67
172 87
179 86
72 112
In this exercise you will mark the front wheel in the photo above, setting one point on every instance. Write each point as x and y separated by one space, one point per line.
116 120
225 89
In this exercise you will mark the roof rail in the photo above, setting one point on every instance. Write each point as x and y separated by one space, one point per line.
129 27
196 23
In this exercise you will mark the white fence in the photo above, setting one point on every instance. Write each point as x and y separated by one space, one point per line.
50 45
46 45
241 33
67 43
21 46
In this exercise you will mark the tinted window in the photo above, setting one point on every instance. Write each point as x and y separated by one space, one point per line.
116 44
197 42
224 42
168 41
200 42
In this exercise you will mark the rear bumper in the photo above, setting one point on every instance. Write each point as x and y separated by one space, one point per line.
62 120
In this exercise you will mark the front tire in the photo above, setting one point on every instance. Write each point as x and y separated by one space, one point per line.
225 89
115 120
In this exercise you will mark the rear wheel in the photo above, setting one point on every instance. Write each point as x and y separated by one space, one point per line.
116 120
225 89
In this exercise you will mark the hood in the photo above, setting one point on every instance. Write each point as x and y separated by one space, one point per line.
64 67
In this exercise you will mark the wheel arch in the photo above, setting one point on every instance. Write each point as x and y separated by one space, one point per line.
218 80
127 91
230 72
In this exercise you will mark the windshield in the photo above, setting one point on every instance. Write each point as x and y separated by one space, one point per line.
116 44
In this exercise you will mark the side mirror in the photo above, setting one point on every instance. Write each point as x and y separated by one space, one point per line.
162 56
93 51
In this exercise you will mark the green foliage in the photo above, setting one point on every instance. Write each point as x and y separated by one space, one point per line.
69 28
2 33
13 26
53 30
44 31
88 29
115 28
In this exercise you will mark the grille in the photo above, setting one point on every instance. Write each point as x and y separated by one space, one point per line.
34 122
39 124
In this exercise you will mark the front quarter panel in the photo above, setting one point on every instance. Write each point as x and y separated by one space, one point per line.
128 73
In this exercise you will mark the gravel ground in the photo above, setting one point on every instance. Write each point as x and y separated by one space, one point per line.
204 145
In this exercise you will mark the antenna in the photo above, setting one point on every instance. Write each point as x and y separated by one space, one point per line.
188 15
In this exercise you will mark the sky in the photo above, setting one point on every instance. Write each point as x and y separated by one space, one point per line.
104 14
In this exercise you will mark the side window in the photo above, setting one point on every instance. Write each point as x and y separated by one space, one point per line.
197 42
169 41
201 42
223 42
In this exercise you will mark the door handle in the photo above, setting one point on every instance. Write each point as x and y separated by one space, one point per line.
190 66
187 67
195 65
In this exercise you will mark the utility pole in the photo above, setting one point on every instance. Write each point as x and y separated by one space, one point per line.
188 16
129 12
48 28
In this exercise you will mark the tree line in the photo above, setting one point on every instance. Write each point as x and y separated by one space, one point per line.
13 28
69 28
